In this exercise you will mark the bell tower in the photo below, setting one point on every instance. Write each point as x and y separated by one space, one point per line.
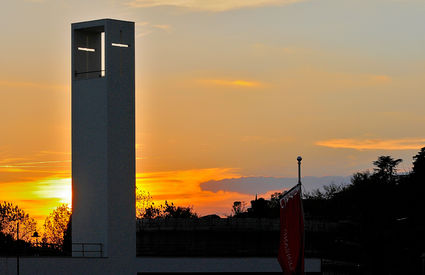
103 139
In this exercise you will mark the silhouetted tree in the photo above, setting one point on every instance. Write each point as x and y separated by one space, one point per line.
329 191
144 206
261 208
172 211
56 224
275 199
10 216
386 168
152 212
419 164
238 208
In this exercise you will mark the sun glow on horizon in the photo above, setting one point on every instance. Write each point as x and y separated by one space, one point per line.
182 187
58 188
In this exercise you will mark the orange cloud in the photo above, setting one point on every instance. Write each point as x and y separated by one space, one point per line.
381 79
182 187
34 163
234 83
266 139
38 195
148 28
211 5
33 85
374 144
162 27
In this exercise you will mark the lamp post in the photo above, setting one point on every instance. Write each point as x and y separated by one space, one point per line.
17 245
35 235
299 158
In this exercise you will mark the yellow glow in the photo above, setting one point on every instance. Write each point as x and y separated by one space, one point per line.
57 188
182 187
39 197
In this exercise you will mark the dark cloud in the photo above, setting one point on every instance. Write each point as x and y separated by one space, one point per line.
261 185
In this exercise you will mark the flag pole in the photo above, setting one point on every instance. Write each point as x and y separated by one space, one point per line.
299 158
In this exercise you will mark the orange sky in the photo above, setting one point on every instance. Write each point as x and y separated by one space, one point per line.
224 89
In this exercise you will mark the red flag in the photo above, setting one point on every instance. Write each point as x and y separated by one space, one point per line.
291 247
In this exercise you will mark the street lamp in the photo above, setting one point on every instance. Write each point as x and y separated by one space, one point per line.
36 236
299 158
17 246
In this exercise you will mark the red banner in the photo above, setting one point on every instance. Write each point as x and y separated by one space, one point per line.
291 247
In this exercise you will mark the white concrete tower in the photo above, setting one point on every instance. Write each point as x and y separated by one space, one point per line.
103 139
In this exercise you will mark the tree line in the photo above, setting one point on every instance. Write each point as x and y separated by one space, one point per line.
14 219
385 210
147 209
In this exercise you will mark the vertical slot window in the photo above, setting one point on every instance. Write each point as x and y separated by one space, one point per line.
102 49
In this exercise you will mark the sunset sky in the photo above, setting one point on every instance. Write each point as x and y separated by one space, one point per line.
227 91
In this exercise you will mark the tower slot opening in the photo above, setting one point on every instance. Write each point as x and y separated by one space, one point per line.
89 53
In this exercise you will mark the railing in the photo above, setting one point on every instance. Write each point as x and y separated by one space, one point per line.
89 74
90 250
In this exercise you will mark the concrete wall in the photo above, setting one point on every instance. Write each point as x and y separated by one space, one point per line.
64 266
83 266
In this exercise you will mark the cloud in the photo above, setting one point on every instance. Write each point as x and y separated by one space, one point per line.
210 5
162 27
33 85
143 23
374 144
35 164
232 83
264 185
266 139
143 34
380 79
274 50
182 187
36 1
148 28
42 164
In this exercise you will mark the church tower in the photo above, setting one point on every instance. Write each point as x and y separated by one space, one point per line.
103 139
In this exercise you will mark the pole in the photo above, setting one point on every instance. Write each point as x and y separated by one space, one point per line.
299 158
17 251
